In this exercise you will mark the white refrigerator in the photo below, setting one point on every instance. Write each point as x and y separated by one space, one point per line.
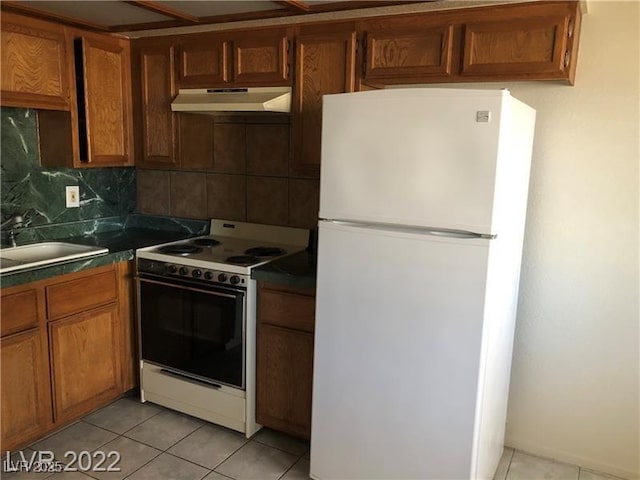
423 196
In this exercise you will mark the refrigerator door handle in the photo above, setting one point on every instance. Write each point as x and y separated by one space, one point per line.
436 232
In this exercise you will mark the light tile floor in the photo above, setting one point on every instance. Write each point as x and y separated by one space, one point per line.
155 443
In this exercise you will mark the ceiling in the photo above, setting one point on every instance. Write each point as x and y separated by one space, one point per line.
127 16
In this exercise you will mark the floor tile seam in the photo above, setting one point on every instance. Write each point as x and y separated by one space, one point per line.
143 443
209 470
506 474
287 470
144 464
600 473
278 448
136 425
51 434
548 459
179 440
225 459
90 451
231 455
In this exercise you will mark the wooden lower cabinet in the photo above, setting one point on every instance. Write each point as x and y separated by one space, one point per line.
285 359
285 372
26 394
85 363
69 357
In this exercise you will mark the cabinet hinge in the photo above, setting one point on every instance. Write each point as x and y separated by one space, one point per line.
567 58
570 28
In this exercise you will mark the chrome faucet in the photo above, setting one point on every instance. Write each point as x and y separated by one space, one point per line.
14 221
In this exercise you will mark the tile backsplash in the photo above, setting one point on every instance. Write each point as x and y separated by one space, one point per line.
39 193
231 169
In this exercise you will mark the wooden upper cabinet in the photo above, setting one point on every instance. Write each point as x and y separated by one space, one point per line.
519 47
232 60
325 64
34 64
536 42
408 53
105 106
261 59
203 61
155 72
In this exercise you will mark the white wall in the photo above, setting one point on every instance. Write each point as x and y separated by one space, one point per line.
574 382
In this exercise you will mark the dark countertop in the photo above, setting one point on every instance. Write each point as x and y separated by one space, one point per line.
297 270
121 244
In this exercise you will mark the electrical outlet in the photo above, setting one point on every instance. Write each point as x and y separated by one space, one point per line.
73 196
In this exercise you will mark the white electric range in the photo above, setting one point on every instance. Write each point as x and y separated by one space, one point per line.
197 319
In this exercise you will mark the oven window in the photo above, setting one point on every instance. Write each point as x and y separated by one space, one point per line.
197 332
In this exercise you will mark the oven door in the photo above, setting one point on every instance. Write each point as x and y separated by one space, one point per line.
193 329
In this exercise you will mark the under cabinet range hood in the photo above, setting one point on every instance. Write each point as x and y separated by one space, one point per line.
212 100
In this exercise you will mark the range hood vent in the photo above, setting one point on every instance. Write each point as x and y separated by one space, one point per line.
212 100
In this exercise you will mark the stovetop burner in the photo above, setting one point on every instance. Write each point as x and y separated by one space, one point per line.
180 249
265 251
242 259
206 242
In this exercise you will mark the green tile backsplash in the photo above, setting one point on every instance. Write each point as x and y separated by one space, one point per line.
39 192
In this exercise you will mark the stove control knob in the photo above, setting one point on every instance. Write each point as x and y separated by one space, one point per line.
208 275
222 277
235 280
172 269
196 273
184 270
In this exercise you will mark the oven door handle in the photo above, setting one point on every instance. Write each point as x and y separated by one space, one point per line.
192 289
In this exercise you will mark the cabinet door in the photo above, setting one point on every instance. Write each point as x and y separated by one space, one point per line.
157 90
528 47
204 62
325 64
26 393
34 64
409 54
85 357
106 102
284 379
261 59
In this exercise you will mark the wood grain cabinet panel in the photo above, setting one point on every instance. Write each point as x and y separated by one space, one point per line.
67 298
419 53
89 343
203 62
26 394
325 64
285 377
261 60
106 102
34 64
290 310
157 89
522 46
21 311
285 358
85 361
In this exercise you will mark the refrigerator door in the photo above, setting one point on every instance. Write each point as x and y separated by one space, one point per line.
399 320
421 156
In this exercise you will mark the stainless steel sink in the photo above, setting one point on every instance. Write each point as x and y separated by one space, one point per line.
42 254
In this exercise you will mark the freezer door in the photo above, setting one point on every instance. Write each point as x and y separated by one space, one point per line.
397 351
423 157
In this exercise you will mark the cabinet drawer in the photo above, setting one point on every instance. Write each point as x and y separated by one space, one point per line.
287 309
81 294
20 311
